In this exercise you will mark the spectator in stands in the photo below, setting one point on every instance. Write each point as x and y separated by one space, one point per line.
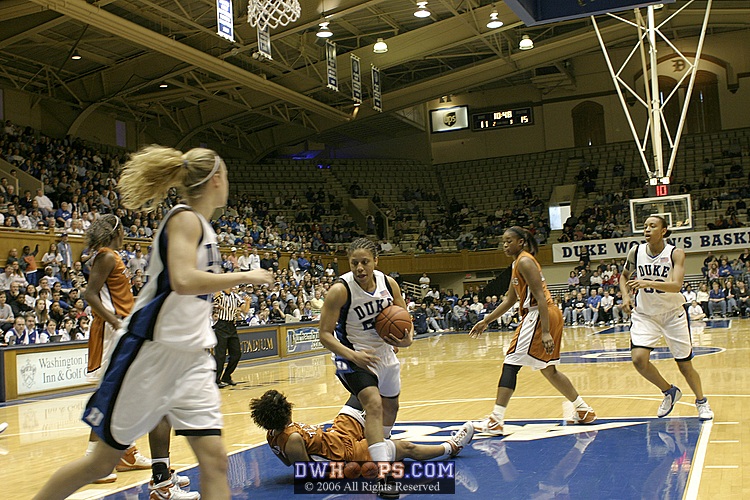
717 301
28 263
725 270
592 307
713 271
689 295
475 310
695 311
15 335
702 296
65 251
573 280
6 313
580 308
568 307
7 278
742 294
730 294
459 315
605 308
44 204
138 262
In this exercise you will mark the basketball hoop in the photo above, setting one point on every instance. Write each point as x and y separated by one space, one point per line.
270 14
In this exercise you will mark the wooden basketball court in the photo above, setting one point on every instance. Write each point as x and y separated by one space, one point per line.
445 378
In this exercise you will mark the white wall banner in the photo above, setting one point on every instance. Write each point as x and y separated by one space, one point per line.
377 104
45 371
333 78
356 80
690 242
264 43
225 19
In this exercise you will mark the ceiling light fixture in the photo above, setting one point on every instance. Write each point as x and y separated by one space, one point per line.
324 31
380 47
422 10
163 85
526 43
76 56
494 21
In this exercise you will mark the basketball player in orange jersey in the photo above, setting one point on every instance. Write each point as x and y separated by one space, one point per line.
655 271
536 342
343 441
110 296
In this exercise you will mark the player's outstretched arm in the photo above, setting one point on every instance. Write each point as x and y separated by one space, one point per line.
502 308
185 231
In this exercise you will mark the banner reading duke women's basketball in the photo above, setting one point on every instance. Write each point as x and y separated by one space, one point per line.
690 242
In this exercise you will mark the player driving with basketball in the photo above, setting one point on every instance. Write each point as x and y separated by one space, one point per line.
654 271
344 440
366 363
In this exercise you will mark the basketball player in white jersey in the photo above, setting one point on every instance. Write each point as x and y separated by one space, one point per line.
162 365
365 363
654 271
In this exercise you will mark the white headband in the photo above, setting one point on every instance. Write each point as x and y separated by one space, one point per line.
217 163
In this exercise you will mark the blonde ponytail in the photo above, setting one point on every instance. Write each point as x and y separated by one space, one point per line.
151 172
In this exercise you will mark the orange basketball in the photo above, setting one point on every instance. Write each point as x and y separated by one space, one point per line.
393 320
369 470
351 470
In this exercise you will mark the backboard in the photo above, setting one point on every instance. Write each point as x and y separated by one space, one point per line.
676 209
534 12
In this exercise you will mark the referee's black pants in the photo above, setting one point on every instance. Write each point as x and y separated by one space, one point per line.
226 339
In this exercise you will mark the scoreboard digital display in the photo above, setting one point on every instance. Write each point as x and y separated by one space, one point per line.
501 119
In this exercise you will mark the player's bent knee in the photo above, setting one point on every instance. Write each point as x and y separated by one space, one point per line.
509 377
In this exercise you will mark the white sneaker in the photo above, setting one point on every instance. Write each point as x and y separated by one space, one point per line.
582 415
3 426
671 397
490 425
169 490
461 438
704 410
181 481
575 323
133 460
106 479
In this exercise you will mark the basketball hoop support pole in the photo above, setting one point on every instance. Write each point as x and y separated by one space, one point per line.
649 33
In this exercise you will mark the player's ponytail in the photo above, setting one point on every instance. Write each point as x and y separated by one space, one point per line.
151 172
529 243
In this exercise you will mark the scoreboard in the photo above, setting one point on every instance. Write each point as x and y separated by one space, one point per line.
505 118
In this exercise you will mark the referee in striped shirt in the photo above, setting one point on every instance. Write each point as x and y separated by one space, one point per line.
229 307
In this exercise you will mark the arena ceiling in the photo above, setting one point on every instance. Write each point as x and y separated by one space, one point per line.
218 90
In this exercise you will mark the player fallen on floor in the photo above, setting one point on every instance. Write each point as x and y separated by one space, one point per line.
344 440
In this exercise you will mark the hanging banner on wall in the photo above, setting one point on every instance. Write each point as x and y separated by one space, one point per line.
333 79
356 80
225 19
264 43
690 242
377 104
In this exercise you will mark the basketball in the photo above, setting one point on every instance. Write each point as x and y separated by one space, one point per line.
369 470
352 470
393 320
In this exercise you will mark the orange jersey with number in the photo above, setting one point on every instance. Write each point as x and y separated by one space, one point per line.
523 292
344 440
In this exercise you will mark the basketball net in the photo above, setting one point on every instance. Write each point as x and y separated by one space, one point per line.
270 14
